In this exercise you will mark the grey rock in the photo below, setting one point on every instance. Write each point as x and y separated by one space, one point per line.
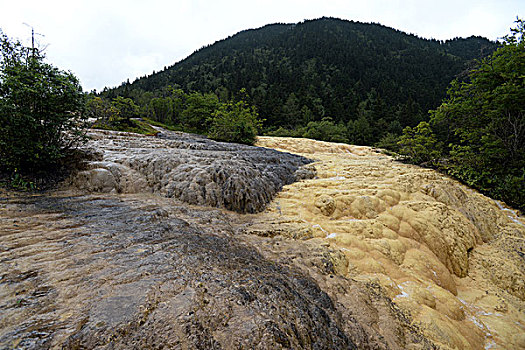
191 168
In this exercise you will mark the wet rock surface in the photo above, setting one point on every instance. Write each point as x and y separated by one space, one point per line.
191 168
138 271
121 259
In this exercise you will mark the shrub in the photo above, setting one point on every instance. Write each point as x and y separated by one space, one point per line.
326 130
419 144
235 122
389 142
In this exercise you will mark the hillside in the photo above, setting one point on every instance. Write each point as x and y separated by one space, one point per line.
296 73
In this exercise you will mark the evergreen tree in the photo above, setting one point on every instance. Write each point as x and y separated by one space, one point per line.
329 66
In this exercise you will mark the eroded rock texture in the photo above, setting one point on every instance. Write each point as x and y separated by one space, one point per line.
450 257
191 168
369 254
132 265
139 272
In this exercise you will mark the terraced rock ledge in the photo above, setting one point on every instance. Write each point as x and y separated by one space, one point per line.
178 242
449 257
191 168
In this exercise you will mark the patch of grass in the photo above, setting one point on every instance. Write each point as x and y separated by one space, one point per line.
165 126
17 182
134 125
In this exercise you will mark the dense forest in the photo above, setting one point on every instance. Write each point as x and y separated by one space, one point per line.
477 134
364 80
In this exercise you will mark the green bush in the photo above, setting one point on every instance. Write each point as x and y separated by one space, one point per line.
283 132
235 122
419 144
196 115
482 122
389 142
326 130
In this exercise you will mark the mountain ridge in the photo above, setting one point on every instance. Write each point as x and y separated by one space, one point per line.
328 67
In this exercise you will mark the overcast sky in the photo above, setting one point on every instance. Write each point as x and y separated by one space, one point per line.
105 42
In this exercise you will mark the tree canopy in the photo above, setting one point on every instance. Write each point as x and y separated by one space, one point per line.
481 125
361 76
41 110
235 122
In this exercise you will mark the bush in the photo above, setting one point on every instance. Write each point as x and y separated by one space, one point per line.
419 144
235 122
389 142
482 122
41 111
326 130
196 115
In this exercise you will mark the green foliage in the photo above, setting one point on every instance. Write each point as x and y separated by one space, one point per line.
486 117
483 123
161 109
101 110
198 109
389 142
378 78
419 144
360 131
235 122
121 114
126 108
135 125
18 182
41 110
326 130
283 132
177 110
162 125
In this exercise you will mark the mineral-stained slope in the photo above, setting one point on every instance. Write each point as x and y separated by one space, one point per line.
139 251
88 272
140 270
451 258
191 168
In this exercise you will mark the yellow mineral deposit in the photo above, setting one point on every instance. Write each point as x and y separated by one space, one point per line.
447 255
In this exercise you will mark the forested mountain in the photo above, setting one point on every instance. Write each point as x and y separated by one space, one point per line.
325 68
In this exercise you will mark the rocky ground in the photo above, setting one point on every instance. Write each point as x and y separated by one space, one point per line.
189 167
139 250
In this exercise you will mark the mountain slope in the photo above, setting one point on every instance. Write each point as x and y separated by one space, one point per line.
296 73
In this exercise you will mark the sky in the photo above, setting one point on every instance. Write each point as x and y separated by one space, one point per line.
106 42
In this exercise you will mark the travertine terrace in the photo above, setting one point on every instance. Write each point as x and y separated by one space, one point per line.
179 242
450 257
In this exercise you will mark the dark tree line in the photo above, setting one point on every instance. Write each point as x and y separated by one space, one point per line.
360 76
231 121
